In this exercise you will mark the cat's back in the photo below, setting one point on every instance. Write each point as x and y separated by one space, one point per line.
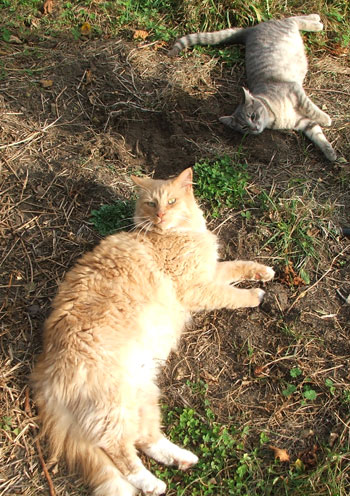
275 51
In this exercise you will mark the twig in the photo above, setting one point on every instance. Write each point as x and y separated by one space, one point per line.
31 137
28 410
318 280
329 91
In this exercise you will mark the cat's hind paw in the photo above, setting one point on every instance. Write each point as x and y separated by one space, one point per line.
188 459
147 482
164 451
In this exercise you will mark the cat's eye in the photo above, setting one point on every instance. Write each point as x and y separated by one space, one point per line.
253 116
151 204
172 201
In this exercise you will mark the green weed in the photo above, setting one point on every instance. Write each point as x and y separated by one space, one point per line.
167 19
301 385
296 225
224 466
229 466
109 219
6 424
221 183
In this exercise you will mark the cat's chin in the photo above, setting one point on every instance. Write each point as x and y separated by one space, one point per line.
256 131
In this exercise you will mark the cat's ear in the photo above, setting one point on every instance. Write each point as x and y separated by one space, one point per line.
185 179
141 182
228 120
248 98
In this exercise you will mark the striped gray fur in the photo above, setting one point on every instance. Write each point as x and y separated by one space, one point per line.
276 66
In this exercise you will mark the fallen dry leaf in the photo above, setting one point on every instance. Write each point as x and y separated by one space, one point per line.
48 7
333 436
140 34
160 44
88 76
85 29
261 371
46 83
290 277
280 454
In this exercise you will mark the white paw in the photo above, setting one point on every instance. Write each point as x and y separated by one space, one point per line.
187 460
164 451
324 120
329 152
269 274
147 482
264 273
256 297
261 294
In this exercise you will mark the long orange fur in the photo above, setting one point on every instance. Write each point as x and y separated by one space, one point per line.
117 315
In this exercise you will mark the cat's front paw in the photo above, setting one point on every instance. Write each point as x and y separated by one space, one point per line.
329 152
324 119
264 273
257 296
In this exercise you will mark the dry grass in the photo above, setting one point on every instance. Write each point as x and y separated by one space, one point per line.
65 149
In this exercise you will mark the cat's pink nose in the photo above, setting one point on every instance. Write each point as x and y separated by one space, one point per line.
160 215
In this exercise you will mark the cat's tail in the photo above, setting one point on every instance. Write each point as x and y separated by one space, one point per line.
230 35
99 471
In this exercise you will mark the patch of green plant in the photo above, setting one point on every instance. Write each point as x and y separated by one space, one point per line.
294 225
6 425
302 387
224 464
167 19
109 219
229 466
221 183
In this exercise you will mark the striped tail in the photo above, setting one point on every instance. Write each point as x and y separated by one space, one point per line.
230 35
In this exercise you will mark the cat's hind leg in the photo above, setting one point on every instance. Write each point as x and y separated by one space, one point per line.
119 439
124 456
152 441
308 23
168 453
115 485
242 270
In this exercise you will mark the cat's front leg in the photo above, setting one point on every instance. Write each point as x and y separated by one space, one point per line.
308 109
213 296
241 270
313 131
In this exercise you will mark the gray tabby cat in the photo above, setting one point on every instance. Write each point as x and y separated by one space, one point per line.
276 66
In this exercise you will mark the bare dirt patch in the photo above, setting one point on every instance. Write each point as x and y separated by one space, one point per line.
76 119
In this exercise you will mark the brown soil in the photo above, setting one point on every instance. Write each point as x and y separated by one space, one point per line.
69 147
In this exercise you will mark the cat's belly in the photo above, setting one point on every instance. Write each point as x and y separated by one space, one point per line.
160 329
285 114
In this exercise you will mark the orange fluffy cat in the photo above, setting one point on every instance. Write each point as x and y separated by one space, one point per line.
117 315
